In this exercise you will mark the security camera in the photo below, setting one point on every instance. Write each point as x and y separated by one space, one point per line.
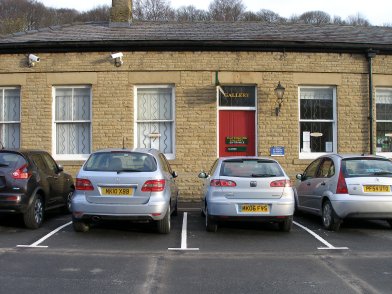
33 59
117 55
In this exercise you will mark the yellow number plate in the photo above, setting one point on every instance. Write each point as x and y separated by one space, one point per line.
117 191
376 188
264 208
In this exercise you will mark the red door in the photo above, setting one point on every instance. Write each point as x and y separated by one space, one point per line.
236 133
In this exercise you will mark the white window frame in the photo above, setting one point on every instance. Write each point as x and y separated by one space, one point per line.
3 122
169 156
313 155
386 154
54 122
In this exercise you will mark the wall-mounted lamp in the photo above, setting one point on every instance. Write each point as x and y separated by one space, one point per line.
279 91
33 59
117 58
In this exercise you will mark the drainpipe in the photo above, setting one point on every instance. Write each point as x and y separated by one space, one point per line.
370 55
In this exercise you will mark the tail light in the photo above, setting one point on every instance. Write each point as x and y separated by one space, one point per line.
222 183
281 183
341 187
153 186
84 185
21 173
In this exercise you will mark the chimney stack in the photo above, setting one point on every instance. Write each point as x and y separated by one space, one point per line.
121 13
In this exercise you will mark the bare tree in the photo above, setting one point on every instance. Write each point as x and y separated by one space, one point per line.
100 13
269 16
226 10
358 20
155 10
191 13
315 17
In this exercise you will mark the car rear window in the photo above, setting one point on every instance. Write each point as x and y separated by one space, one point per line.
121 161
11 160
251 168
365 167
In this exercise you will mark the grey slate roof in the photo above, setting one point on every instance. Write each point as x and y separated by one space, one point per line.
202 36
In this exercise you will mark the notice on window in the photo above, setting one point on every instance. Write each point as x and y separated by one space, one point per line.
328 146
306 141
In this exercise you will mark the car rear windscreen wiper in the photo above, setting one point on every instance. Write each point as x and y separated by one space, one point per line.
382 173
128 171
4 164
263 175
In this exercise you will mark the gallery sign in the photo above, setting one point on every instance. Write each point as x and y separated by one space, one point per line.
237 96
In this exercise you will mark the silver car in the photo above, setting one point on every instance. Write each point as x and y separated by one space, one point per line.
346 186
248 189
137 185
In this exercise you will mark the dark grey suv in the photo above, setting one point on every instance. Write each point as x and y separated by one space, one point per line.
31 182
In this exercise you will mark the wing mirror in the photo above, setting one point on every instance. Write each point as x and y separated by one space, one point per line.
60 168
300 177
174 174
203 175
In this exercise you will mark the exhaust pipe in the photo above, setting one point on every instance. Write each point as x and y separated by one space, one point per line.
96 218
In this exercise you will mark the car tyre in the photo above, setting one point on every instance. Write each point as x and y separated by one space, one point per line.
286 225
34 215
211 225
389 222
330 220
175 211
68 203
80 226
163 225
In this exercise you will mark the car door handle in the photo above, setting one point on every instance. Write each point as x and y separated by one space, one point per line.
308 183
323 184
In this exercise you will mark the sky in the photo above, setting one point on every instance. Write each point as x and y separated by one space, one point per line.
378 12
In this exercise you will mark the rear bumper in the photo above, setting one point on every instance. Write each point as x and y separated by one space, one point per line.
13 203
230 209
352 206
151 211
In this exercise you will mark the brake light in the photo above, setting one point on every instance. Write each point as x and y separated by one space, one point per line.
153 186
84 185
222 183
281 183
341 187
21 173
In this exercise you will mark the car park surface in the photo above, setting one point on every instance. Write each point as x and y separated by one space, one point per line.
123 257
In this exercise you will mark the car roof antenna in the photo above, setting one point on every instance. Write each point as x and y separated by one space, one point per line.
123 143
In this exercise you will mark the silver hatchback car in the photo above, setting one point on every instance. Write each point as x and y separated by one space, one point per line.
248 189
346 186
137 185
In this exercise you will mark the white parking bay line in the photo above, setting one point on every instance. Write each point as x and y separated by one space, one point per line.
329 246
184 236
36 244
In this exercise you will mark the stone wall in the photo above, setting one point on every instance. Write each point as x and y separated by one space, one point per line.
193 75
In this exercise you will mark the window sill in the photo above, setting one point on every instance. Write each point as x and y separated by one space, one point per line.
71 157
312 155
385 154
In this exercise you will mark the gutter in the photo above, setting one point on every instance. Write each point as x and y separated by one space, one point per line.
370 55
190 45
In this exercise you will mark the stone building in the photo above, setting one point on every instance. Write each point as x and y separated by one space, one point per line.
197 91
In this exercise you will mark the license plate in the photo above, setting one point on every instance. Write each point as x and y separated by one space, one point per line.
117 191
377 188
264 208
